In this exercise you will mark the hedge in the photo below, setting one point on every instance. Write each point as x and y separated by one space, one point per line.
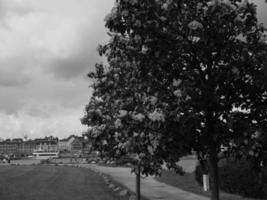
239 177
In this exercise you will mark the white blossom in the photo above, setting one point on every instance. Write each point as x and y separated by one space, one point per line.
99 112
95 132
123 113
96 83
117 134
104 142
241 38
110 83
188 98
177 82
133 2
118 123
178 93
99 99
212 3
165 6
103 79
157 115
107 117
243 4
116 76
135 134
228 3
251 153
150 150
194 25
142 135
144 49
139 117
199 6
137 157
235 70
263 37
256 135
153 100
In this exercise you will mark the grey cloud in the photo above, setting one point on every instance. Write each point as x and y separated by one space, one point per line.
261 11
37 112
73 66
13 79
13 73
10 104
17 8
80 61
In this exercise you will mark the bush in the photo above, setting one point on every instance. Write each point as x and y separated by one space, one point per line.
239 177
124 160
46 161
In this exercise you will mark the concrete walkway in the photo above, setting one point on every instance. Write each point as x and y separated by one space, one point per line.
150 188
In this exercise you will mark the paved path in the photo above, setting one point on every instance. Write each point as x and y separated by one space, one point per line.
150 188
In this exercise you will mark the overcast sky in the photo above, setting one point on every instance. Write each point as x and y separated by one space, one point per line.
47 47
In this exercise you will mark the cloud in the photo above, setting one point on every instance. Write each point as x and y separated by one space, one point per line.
13 8
47 48
11 79
61 124
75 65
261 10
37 112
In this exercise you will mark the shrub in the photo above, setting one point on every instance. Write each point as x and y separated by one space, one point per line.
124 160
46 161
239 177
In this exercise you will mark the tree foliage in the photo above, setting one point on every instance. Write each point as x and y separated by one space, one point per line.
181 76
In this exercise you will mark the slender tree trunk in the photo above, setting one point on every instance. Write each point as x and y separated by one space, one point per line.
138 193
214 175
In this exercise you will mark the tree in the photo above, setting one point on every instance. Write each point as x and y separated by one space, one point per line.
182 74
124 116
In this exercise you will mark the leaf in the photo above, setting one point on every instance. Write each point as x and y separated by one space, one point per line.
194 25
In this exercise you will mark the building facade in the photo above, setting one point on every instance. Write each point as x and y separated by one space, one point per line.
72 144
20 147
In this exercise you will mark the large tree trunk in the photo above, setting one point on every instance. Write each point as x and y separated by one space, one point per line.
214 175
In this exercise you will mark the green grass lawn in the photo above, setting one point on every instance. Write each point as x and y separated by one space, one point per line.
188 183
42 182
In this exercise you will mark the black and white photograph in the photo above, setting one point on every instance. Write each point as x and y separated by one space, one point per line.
133 99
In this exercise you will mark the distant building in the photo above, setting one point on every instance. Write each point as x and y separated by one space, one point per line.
77 145
18 146
28 147
65 144
47 144
17 140
9 147
74 144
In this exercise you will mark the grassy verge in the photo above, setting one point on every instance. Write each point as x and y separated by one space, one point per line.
44 182
188 183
